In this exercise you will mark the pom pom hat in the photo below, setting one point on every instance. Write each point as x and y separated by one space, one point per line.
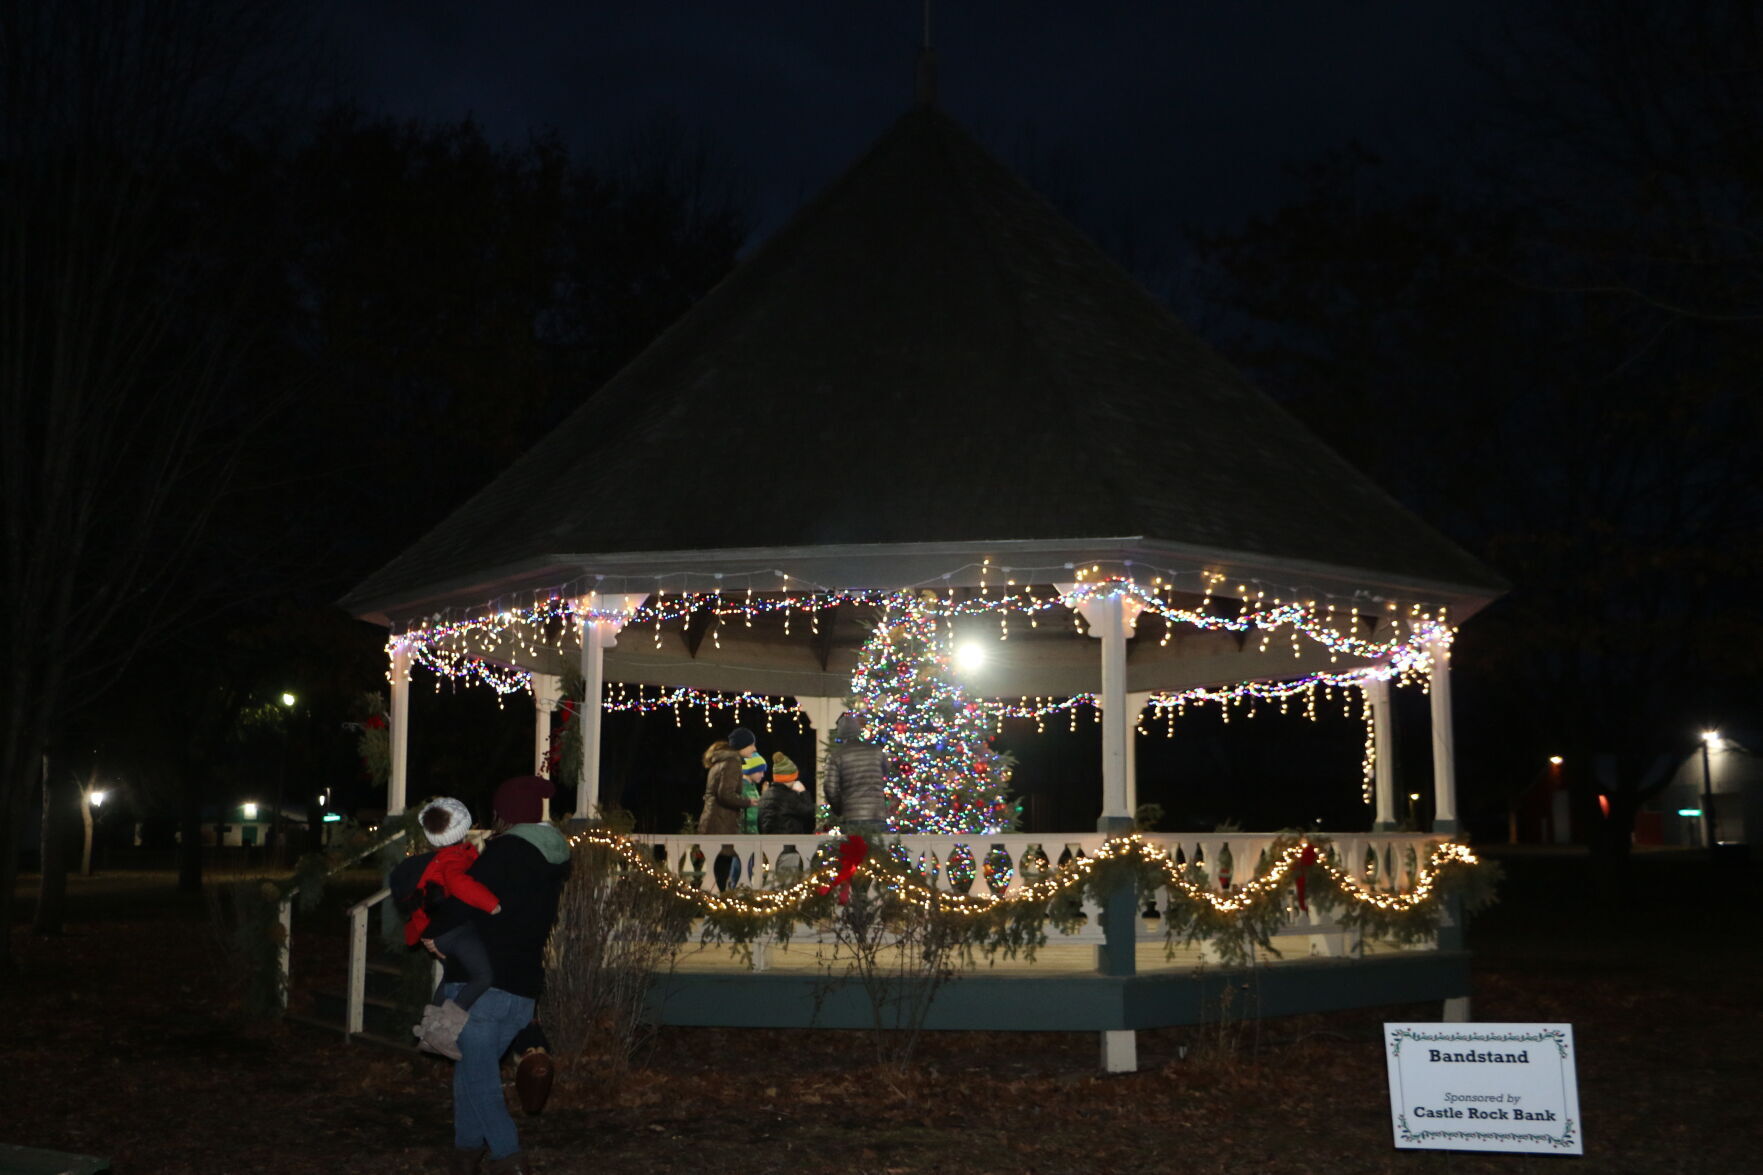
783 770
445 821
521 800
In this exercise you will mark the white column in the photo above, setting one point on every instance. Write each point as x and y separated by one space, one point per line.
400 729
822 714
1111 620
1136 701
598 635
587 784
547 690
1444 761
1377 694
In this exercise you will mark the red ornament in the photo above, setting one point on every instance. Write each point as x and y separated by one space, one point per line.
852 850
1306 859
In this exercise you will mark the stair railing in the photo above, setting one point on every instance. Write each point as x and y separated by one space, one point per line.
285 914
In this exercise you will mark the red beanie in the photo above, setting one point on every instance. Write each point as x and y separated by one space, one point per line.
520 800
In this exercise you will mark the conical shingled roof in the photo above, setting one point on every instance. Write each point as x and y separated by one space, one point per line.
927 353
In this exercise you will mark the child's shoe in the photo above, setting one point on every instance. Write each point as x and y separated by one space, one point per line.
441 1034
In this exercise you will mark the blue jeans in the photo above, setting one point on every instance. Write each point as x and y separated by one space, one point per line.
480 1112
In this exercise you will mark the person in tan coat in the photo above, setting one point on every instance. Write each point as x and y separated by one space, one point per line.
723 801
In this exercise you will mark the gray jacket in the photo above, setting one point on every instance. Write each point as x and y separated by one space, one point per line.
856 775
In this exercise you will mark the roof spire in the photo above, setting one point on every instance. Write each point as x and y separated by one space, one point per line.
924 85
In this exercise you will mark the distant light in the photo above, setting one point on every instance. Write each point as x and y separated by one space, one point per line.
250 811
321 801
1414 795
1711 737
333 818
1555 760
970 656
288 699
1689 811
98 798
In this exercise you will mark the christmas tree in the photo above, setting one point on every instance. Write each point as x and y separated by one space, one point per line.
943 774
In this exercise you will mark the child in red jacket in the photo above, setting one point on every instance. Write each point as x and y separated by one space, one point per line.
443 923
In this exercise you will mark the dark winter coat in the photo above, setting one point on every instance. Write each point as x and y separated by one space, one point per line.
784 810
723 801
855 787
525 867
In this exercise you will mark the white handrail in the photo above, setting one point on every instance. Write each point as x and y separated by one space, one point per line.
354 1013
285 914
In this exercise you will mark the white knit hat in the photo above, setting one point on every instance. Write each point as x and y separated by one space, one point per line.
458 821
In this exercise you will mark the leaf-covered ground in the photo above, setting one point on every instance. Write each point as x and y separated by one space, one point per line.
123 1044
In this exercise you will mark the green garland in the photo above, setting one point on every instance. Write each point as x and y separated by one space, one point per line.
1234 923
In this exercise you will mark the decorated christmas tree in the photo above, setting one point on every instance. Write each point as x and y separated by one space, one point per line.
942 771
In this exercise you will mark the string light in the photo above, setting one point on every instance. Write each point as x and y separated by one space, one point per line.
1067 877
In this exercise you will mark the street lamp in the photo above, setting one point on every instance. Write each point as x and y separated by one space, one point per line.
1710 738
93 799
1414 809
274 839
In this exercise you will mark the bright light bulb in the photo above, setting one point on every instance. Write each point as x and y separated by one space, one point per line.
287 699
1555 760
970 657
98 798
1711 737
250 811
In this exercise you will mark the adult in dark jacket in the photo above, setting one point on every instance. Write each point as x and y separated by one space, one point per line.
856 779
786 807
524 864
723 801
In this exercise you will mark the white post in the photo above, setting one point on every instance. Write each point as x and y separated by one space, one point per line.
284 915
587 786
1136 702
1444 763
395 786
599 633
547 688
1111 620
1377 694
822 714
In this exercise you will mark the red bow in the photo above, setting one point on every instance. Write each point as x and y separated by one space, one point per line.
1306 859
852 850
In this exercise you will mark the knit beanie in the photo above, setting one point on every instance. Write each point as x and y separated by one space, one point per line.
782 769
445 821
741 738
521 800
752 763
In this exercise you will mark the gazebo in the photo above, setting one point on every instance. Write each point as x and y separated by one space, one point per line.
929 390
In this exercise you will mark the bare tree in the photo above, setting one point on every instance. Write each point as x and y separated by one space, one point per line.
113 371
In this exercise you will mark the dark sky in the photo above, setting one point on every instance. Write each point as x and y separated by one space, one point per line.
1175 112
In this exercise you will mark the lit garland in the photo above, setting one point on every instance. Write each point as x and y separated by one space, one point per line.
1196 910
490 646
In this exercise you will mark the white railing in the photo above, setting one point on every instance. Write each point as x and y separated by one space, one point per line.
1002 864
285 914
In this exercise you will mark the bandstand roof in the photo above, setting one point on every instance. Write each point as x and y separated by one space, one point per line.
926 367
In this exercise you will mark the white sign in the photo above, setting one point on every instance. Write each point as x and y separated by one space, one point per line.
1484 1087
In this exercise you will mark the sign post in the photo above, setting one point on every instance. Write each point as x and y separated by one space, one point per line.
1484 1087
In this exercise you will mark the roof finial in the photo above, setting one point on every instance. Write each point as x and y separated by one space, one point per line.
924 86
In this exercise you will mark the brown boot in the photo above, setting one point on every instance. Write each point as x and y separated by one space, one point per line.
514 1164
465 1160
532 1079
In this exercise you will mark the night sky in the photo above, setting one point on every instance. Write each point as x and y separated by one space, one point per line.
1172 114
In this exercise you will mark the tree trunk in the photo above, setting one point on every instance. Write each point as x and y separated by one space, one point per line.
12 810
86 831
52 889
